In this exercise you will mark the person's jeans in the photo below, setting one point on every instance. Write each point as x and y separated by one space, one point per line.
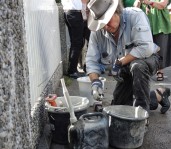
136 82
75 24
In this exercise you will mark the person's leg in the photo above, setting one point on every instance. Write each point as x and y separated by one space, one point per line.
168 58
123 93
86 32
142 70
141 77
68 24
162 41
86 40
160 95
76 26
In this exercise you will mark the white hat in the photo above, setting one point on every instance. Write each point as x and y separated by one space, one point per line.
101 11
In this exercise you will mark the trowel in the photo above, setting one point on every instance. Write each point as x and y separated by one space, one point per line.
98 106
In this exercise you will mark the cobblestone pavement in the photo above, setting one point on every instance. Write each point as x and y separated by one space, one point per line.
158 135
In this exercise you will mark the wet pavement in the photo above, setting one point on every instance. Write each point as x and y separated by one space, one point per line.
158 135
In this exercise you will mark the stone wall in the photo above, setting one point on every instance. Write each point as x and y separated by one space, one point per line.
40 125
15 118
22 127
42 128
65 51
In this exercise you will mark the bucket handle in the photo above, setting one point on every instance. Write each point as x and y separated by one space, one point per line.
87 117
63 109
52 126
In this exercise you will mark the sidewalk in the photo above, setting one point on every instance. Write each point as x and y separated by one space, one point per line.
159 132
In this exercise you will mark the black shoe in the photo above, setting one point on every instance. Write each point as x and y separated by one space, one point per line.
76 75
165 103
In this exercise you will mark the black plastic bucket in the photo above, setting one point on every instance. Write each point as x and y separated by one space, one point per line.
61 121
126 125
60 117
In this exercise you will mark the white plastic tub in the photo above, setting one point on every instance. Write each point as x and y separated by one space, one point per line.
79 103
84 84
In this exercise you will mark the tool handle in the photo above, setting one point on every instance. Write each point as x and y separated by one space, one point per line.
73 118
92 117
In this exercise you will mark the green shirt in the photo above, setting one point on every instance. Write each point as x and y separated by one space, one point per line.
159 20
128 3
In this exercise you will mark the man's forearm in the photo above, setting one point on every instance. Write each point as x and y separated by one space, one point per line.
93 76
127 59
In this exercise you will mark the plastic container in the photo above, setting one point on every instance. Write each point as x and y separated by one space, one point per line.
60 117
90 132
51 99
84 84
126 126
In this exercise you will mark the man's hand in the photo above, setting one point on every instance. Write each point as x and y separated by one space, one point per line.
116 70
97 90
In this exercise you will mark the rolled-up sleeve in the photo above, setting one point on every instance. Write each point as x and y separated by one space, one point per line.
141 36
93 55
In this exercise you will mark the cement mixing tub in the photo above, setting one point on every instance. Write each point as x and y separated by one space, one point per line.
126 125
60 118
84 84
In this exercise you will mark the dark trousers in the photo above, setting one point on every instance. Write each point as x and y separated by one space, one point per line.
136 82
162 41
75 24
86 33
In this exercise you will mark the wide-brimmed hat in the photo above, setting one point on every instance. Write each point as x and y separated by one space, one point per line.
101 11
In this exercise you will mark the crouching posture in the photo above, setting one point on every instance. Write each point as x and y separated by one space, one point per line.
121 37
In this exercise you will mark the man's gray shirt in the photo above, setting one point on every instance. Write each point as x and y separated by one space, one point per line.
135 37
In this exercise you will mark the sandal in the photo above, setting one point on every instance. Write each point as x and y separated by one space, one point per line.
165 103
160 76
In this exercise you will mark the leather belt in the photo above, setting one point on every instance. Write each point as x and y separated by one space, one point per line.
72 10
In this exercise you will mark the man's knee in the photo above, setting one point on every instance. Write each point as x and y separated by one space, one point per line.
139 71
137 67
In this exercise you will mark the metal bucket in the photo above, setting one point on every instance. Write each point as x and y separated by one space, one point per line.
126 125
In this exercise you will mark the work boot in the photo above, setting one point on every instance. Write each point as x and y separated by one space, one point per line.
165 103
76 75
